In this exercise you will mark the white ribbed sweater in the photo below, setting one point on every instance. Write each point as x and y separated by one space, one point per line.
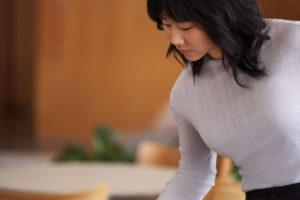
258 128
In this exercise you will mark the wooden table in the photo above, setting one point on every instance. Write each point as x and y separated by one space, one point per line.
125 181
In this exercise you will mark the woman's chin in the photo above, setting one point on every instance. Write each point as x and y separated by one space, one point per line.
193 59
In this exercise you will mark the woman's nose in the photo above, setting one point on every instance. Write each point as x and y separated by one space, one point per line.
176 38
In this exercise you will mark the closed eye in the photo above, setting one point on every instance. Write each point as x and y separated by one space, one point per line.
166 25
186 29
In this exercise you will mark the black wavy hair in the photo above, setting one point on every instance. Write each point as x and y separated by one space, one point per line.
235 26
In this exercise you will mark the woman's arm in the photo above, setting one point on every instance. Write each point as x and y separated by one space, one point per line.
196 173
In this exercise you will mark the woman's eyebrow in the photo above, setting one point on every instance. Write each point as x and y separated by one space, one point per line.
165 23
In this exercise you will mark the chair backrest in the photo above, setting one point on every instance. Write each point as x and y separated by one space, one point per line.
224 169
226 190
97 193
149 153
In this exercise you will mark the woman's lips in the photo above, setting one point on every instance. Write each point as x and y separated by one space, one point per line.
184 51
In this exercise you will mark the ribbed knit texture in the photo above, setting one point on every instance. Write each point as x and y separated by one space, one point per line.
258 128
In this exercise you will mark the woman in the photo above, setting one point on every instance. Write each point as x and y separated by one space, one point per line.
238 96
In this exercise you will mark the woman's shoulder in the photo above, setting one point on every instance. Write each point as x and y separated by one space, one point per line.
282 21
286 30
282 50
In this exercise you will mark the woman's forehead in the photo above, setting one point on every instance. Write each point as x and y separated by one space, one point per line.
174 14
173 19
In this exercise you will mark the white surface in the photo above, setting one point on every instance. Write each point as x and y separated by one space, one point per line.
18 158
122 179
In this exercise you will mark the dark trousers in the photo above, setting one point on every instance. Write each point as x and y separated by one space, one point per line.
288 192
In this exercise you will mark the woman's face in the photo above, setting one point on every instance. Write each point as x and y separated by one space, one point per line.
190 41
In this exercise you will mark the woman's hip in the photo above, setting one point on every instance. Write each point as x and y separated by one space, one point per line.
288 192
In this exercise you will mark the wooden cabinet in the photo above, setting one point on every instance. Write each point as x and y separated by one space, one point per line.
66 65
102 61
283 9
16 69
98 61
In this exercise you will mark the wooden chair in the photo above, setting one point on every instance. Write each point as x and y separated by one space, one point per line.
226 191
98 193
224 167
226 188
149 153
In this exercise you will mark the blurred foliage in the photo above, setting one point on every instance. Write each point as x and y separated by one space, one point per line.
236 174
73 153
105 145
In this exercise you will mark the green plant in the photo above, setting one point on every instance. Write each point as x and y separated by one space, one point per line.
236 174
105 145
73 153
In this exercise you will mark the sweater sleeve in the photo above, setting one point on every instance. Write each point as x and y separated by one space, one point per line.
196 173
